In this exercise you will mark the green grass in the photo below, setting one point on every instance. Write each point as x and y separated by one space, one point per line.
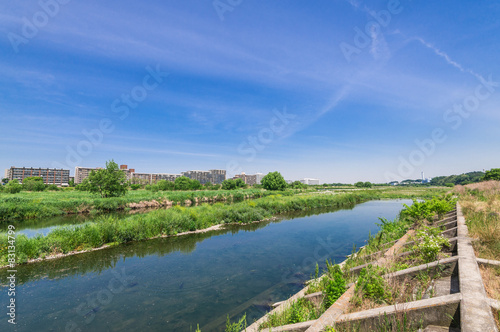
107 229
298 311
30 205
481 208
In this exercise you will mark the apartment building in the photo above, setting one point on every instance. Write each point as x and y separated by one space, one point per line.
81 173
155 177
214 176
55 176
258 177
166 176
128 172
250 179
310 181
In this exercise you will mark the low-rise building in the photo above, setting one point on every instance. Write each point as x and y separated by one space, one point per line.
55 176
214 176
309 181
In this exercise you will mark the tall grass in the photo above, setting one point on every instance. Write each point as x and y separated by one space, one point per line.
109 229
29 205
481 207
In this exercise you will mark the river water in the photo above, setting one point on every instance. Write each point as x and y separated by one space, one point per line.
174 284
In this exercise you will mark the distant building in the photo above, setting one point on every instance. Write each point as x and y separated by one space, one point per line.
166 176
250 179
81 173
214 176
217 176
55 176
155 177
128 172
309 181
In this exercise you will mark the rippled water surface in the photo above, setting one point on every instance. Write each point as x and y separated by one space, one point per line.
173 284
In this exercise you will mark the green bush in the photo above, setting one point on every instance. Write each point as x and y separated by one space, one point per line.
371 285
333 284
52 187
428 243
13 187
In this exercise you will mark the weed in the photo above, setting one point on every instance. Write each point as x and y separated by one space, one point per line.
372 286
298 311
237 326
428 243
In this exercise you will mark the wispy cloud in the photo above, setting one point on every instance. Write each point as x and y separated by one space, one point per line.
447 58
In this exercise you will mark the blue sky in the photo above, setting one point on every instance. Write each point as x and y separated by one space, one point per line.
336 90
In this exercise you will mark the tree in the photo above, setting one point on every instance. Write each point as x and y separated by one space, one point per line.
108 182
239 183
492 174
274 181
135 186
71 182
165 185
298 185
33 183
228 184
5 180
182 183
195 185
13 186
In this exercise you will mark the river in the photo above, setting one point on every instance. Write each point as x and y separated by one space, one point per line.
174 284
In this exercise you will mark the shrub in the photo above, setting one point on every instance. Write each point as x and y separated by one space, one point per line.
135 186
13 187
333 284
52 187
371 285
418 211
429 243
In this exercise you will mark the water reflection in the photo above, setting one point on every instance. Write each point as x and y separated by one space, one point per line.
175 283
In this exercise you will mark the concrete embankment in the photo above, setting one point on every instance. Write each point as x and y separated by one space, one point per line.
457 301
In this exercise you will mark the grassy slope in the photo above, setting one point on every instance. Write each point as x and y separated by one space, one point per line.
481 207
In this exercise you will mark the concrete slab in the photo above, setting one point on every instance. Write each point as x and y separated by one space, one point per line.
475 313
487 262
438 311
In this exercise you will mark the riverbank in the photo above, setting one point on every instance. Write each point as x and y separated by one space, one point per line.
108 231
427 279
32 205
